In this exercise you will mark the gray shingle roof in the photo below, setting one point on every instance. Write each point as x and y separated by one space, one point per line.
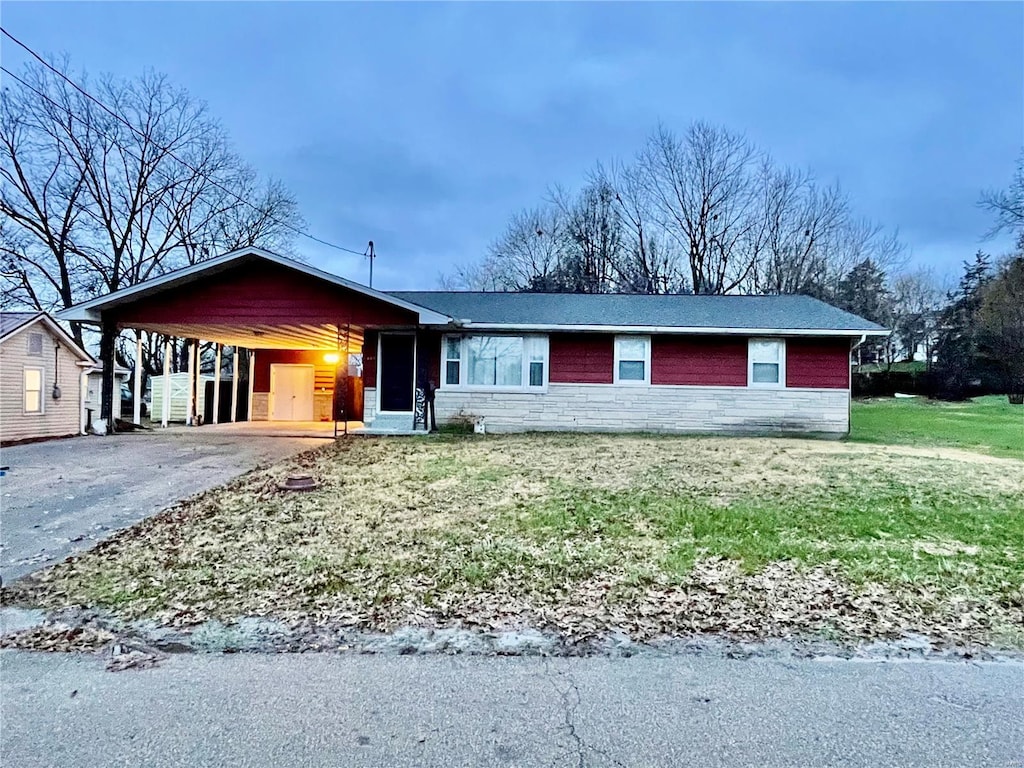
680 311
12 321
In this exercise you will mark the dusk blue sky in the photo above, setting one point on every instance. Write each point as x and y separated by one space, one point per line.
424 127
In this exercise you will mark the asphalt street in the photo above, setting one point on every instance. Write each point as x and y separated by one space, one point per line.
366 710
62 496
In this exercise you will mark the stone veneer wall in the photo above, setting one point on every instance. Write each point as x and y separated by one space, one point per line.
260 406
655 409
369 405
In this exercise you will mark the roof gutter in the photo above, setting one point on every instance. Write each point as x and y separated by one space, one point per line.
669 329
78 314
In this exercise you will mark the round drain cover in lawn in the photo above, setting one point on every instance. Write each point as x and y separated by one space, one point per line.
298 483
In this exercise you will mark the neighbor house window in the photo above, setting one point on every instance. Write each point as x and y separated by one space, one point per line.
632 359
766 361
35 343
33 390
495 362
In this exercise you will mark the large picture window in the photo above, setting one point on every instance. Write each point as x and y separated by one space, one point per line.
494 361
766 363
487 361
633 360
33 390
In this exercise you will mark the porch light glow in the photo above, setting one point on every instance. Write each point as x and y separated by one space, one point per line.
331 357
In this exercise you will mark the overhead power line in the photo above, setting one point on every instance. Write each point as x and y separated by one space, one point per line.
167 150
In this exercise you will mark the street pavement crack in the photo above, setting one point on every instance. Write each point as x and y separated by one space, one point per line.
570 696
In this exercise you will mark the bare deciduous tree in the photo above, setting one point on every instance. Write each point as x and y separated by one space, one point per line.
525 257
1007 205
707 194
96 200
592 248
649 263
917 300
706 211
802 221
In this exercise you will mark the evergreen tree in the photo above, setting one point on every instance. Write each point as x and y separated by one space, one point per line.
1001 324
960 365
863 292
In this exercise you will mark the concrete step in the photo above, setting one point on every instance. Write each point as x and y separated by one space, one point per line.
390 424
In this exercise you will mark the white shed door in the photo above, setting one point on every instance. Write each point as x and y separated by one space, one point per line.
291 392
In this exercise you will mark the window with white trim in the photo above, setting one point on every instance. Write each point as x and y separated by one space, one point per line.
35 344
485 361
633 360
535 350
493 361
33 390
452 360
766 363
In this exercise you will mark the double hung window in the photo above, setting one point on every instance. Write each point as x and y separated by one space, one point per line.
766 361
633 360
33 390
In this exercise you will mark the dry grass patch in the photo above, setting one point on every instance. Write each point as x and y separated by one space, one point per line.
584 534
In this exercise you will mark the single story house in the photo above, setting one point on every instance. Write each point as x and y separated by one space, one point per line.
42 378
508 361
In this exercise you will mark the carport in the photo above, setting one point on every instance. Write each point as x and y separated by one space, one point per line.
299 325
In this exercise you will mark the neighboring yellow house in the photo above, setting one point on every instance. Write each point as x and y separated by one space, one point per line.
41 378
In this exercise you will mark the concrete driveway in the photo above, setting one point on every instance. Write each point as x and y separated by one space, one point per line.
63 496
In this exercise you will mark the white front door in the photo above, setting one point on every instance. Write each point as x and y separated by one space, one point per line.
291 392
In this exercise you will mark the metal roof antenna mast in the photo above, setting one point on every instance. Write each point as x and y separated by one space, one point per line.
372 255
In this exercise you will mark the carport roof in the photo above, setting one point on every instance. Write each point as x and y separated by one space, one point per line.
89 311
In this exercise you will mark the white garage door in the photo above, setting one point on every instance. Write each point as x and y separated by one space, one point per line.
291 392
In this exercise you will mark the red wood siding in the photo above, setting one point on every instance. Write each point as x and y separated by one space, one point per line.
265 294
370 359
818 363
581 358
323 371
709 361
428 356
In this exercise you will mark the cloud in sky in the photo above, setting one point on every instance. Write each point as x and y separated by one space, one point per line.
424 127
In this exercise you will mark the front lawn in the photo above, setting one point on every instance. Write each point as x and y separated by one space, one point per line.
586 534
986 424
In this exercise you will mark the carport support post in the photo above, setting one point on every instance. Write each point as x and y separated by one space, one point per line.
252 373
137 399
165 406
234 386
193 349
108 338
216 388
